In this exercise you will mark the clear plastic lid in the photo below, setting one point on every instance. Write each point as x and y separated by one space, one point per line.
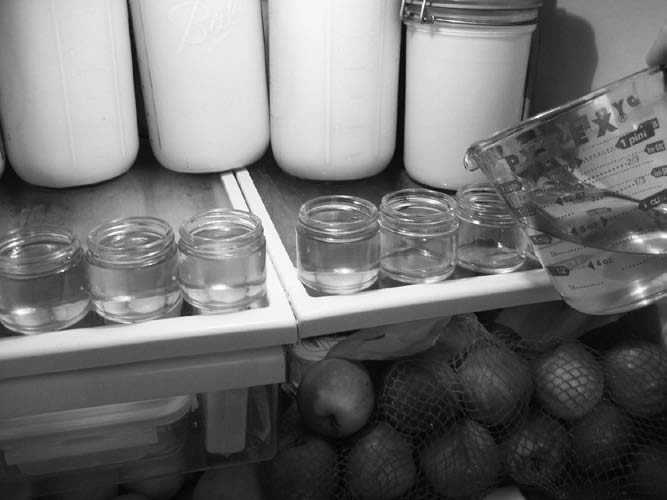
155 412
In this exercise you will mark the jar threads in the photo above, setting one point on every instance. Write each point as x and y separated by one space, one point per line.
338 244
132 266
222 260
418 230
42 279
489 239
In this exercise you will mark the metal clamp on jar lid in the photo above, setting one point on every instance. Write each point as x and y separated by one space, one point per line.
132 265
42 280
474 12
338 244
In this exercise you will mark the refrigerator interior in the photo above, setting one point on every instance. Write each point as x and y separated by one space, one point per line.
219 360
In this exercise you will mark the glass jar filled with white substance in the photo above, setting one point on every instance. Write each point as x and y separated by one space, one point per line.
466 72
334 74
203 79
132 266
222 260
42 279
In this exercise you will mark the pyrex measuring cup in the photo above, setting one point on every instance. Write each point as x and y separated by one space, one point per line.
588 183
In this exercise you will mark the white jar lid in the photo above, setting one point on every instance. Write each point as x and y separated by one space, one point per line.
476 12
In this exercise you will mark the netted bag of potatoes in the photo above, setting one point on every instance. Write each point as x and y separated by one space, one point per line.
306 464
596 428
452 404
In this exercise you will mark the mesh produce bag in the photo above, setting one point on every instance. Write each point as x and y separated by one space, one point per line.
570 417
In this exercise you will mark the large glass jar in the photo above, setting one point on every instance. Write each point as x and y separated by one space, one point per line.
333 86
222 260
466 74
42 279
203 78
132 266
67 104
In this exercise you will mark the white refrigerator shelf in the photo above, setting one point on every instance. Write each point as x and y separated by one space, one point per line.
93 363
275 198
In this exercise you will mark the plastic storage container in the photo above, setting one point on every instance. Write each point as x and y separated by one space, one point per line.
334 86
67 103
466 67
93 437
203 77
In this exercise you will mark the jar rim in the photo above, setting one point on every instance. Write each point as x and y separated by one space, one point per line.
60 249
441 207
234 232
362 216
482 201
136 241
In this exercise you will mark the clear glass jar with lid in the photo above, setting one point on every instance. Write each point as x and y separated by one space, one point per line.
466 77
42 279
418 235
222 260
132 270
338 244
489 239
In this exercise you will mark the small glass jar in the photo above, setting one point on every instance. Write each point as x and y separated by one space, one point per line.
222 260
132 265
418 235
42 279
489 239
338 244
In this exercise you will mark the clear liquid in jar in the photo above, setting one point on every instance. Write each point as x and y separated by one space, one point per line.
46 303
223 285
338 267
130 295
420 265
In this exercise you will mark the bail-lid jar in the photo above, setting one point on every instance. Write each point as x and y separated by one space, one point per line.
42 279
466 73
132 265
